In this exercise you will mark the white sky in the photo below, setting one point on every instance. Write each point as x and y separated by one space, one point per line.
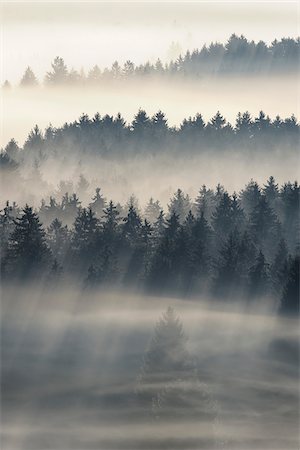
89 33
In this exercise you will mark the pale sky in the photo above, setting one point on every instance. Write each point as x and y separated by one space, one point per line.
89 33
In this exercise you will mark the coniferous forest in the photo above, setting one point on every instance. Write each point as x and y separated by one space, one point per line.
239 56
149 226
244 245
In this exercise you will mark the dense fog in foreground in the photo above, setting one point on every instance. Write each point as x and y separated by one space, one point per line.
73 374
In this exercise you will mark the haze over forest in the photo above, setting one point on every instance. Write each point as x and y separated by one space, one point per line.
149 225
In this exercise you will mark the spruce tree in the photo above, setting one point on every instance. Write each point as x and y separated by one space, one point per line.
258 277
168 385
27 253
291 296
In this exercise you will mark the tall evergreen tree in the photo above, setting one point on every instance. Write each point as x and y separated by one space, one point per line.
290 299
27 253
258 277
98 203
28 79
152 210
180 205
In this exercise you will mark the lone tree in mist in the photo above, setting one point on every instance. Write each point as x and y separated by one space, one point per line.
168 387
167 357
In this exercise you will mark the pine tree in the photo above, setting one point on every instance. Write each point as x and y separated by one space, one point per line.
258 277
227 280
111 219
290 299
271 191
12 150
167 358
59 73
28 79
152 210
163 273
199 256
263 226
27 253
180 204
55 274
250 197
139 263
159 226
7 223
205 203
58 239
279 268
168 385
98 203
222 218
132 225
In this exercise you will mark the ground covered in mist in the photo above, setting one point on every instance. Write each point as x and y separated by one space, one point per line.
71 363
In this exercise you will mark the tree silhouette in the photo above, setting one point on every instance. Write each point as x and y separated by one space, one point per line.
28 79
28 253
168 386
59 73
290 298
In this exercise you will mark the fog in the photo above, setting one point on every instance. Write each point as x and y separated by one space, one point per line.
23 108
158 177
70 364
90 357
33 33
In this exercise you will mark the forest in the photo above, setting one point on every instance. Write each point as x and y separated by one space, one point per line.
239 246
238 56
112 137
149 226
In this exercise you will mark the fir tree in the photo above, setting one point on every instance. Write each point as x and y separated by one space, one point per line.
27 253
290 299
258 277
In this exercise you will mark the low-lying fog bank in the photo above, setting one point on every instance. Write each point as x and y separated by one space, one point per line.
158 177
23 108
71 361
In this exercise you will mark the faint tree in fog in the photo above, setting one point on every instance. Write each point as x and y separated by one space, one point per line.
59 73
180 205
98 203
29 79
12 150
169 390
6 85
152 210
167 358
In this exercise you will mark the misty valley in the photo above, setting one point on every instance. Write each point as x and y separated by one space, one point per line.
125 327
150 247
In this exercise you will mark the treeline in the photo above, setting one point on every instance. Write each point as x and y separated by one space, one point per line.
110 136
238 56
228 246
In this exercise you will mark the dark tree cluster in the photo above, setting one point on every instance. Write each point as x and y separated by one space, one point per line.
228 246
237 56
110 137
